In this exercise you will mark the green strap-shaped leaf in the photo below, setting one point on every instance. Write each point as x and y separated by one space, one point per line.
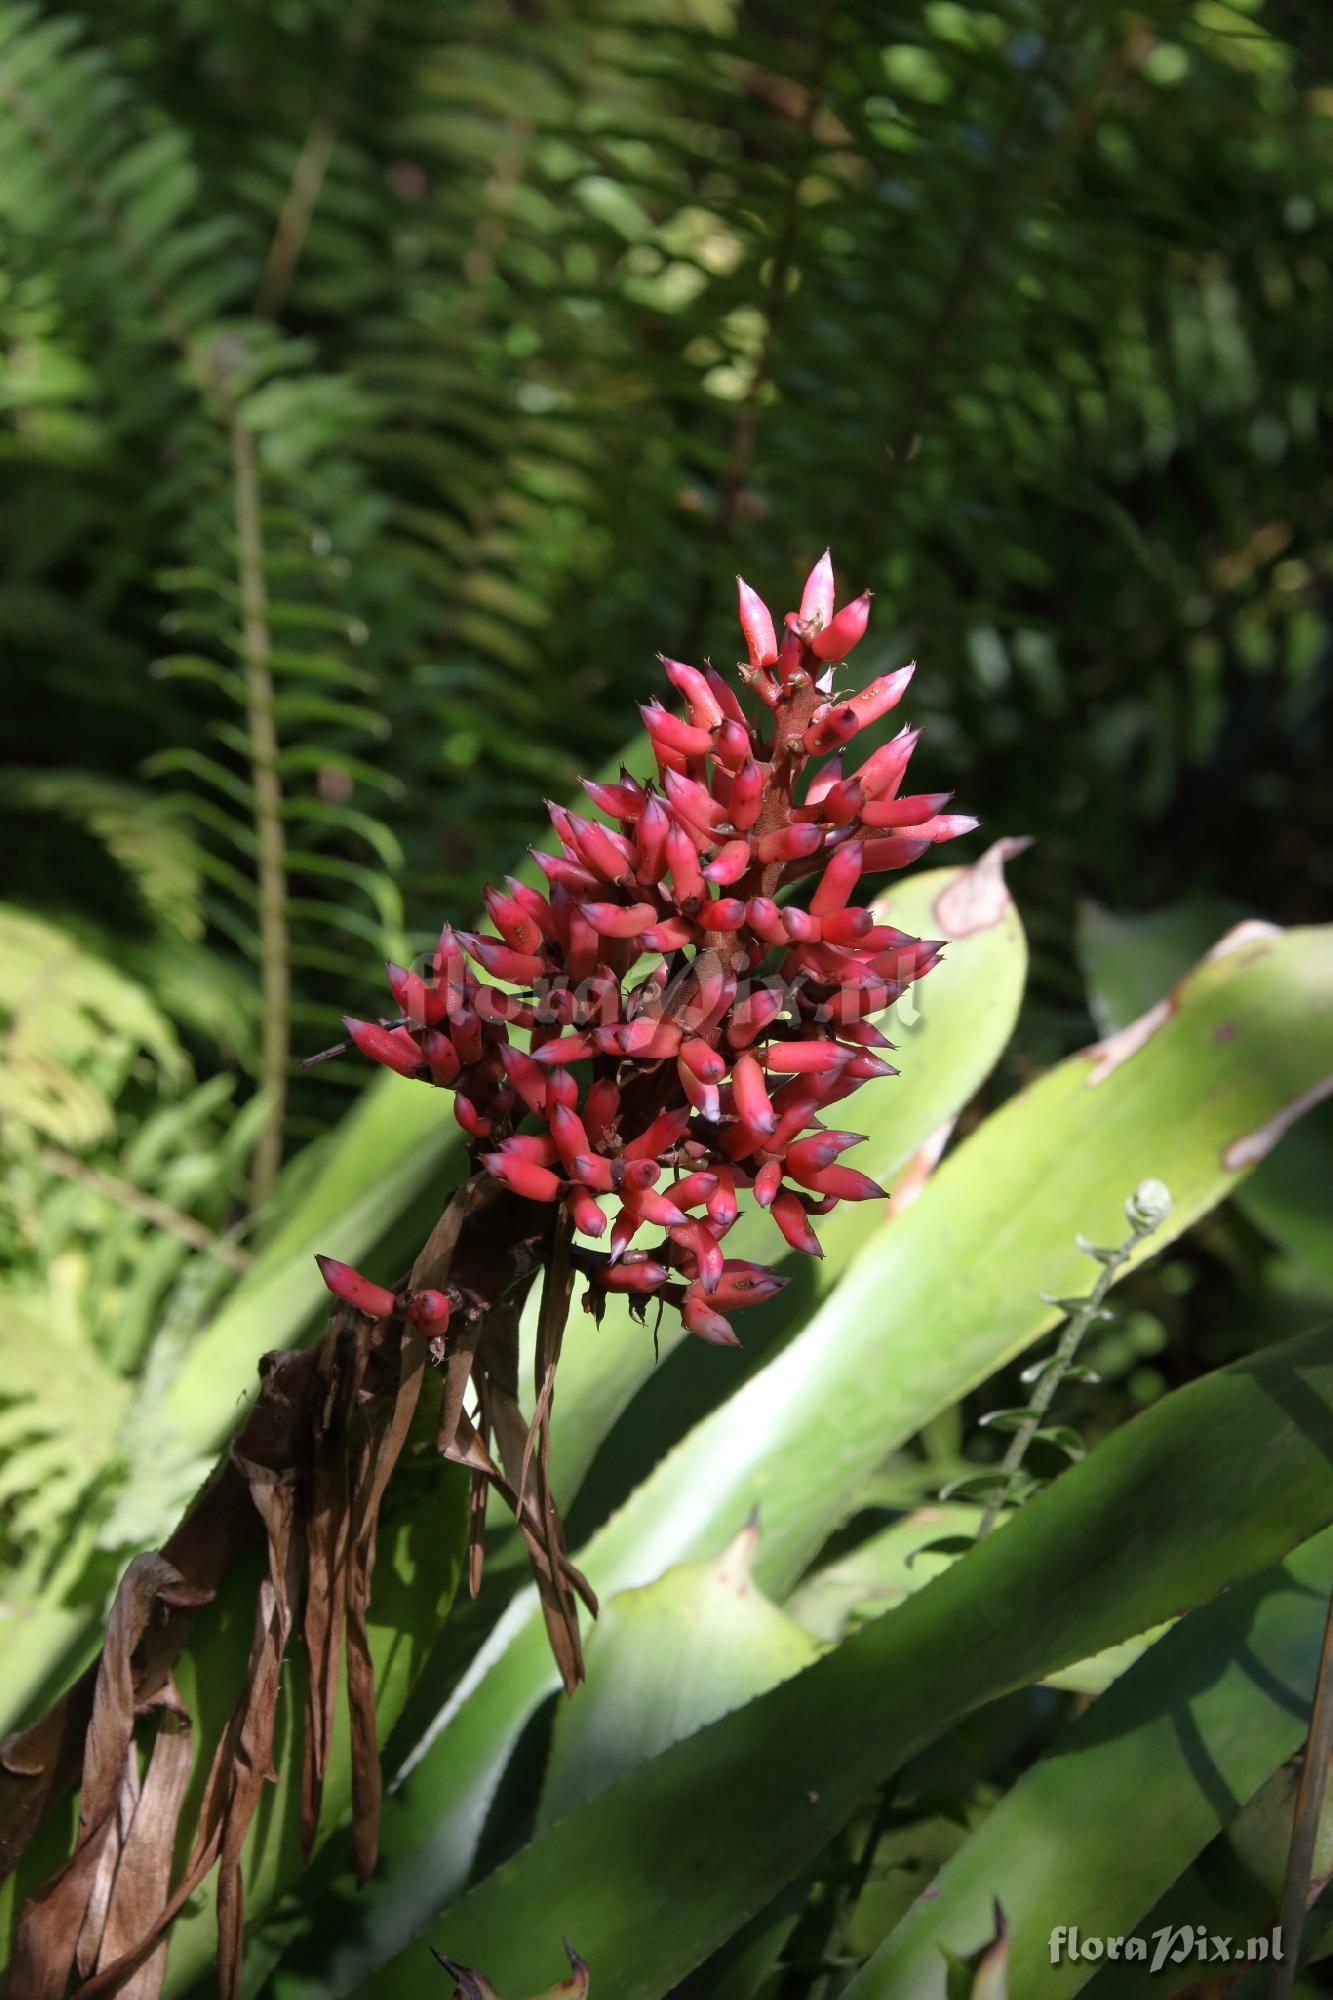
1213 1484
1197 1725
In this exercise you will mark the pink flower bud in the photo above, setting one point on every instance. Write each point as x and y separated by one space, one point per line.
865 1067
726 697
671 734
704 1061
819 1151
765 920
650 837
608 853
393 1047
800 926
565 1049
619 920
539 1147
847 927
682 858
473 1121
747 793
882 772
571 875
347 1284
534 1183
561 1089
837 639
880 695
723 1207
705 1098
838 880
754 1013
842 803
415 999
658 1138
724 913
756 626
767 1182
570 1134
844 1182
656 1208
591 1170
513 922
646 1038
817 597
690 800
745 1284
521 968
587 1215
728 864
948 826
705 708
430 1311
528 1077
699 1243
788 843
638 1275
441 1057
895 850
700 1318
731 745
750 1094
670 935
693 1190
799 1058
620 801
794 1223
913 811
831 724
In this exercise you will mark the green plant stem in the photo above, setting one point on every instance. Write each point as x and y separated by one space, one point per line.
1305 1823
1051 1377
275 966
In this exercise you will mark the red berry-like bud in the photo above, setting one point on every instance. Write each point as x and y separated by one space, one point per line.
756 626
393 1047
429 1311
347 1284
835 642
533 1182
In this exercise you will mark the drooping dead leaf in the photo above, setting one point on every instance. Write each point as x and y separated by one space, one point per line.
306 1477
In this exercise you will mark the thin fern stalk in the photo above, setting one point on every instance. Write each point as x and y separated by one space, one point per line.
1146 1208
1305 1824
308 177
274 941
160 1213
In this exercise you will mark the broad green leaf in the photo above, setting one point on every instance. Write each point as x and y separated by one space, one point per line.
1210 1486
1128 962
944 1294
884 1569
1232 1890
662 1661
1197 1725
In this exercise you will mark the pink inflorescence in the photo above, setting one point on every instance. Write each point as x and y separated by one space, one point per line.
687 1022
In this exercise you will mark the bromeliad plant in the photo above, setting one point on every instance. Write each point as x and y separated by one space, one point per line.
661 1033
674 1023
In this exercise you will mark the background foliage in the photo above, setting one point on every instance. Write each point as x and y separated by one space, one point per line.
382 385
